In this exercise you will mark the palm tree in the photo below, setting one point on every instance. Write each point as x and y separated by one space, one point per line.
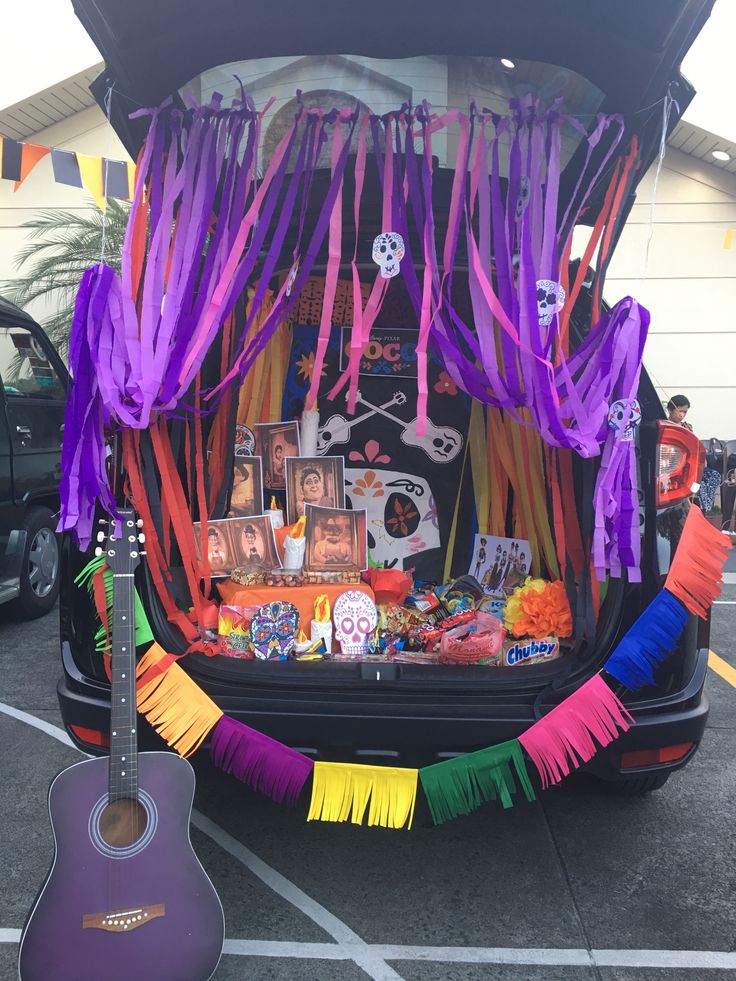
63 244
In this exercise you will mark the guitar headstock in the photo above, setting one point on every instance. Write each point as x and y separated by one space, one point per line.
120 541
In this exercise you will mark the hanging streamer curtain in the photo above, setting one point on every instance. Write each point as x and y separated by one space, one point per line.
203 228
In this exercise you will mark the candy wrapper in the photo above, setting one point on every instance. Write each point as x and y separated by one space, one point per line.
528 651
478 641
233 630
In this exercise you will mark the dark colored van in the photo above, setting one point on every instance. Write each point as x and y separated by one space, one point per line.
33 383
618 58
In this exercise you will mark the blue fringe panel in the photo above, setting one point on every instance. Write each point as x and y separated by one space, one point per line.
648 642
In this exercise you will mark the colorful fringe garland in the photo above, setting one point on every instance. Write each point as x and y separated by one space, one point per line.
648 642
460 785
567 736
176 706
696 573
570 734
263 763
342 790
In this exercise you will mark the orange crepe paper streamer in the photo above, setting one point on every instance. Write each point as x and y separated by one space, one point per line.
696 573
175 706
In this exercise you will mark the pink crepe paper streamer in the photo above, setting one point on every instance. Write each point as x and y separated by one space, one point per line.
574 730
259 761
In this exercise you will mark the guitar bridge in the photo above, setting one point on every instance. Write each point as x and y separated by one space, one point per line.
122 920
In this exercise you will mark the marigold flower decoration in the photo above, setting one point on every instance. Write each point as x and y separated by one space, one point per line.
537 609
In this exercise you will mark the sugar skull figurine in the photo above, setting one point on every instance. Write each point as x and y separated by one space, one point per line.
388 251
550 300
356 619
616 418
273 631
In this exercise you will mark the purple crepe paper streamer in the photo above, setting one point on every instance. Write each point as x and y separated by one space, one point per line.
259 761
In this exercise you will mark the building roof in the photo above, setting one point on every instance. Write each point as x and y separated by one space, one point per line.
66 98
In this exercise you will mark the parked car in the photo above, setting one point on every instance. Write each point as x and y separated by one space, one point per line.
409 712
33 383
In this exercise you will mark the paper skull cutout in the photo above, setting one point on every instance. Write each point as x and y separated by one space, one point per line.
355 619
616 418
273 631
550 300
388 251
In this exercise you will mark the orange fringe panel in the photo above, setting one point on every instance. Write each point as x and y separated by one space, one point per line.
175 706
696 573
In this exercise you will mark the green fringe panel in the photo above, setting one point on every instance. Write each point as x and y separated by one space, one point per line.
143 632
460 785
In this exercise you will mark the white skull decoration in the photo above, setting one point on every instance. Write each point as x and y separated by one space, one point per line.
550 300
388 251
355 619
616 418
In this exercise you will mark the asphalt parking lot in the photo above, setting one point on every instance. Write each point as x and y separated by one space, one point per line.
580 885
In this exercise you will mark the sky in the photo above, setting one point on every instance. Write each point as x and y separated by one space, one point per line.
43 42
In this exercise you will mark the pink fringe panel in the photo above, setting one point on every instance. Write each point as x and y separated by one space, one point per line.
574 730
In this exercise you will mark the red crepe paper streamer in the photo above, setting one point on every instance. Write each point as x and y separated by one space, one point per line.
574 730
696 573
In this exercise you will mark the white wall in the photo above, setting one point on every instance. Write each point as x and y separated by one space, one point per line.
86 132
688 285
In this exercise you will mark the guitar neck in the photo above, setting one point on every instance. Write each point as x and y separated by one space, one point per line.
123 715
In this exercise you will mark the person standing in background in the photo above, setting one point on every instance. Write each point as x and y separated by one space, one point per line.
677 408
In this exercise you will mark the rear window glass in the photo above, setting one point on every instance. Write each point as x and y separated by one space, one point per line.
384 84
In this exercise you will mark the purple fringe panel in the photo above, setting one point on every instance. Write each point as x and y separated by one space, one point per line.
259 761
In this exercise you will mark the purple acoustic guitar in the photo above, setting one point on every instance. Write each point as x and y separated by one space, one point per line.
126 898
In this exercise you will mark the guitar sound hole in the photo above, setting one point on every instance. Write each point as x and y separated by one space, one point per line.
122 822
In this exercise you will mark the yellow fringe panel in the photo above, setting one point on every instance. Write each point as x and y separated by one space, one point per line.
343 790
176 707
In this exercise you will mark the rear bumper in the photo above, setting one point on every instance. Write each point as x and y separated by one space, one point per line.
402 726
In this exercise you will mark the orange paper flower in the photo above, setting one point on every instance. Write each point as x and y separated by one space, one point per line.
539 608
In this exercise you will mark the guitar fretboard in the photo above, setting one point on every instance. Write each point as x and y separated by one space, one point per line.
123 715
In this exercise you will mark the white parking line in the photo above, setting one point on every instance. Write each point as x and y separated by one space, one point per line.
697 960
372 958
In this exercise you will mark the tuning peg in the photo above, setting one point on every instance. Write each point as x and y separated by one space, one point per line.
102 521
141 538
98 551
100 536
143 553
139 522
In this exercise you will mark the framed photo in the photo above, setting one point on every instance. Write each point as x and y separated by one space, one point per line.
500 564
313 480
336 540
240 542
275 441
246 497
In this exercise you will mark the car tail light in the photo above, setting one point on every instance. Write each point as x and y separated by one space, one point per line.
680 464
650 757
93 737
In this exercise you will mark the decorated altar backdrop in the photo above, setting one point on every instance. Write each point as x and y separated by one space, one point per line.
204 225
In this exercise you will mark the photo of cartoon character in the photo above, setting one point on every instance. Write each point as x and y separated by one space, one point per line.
239 542
317 481
218 550
499 564
275 443
336 539
246 497
254 543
